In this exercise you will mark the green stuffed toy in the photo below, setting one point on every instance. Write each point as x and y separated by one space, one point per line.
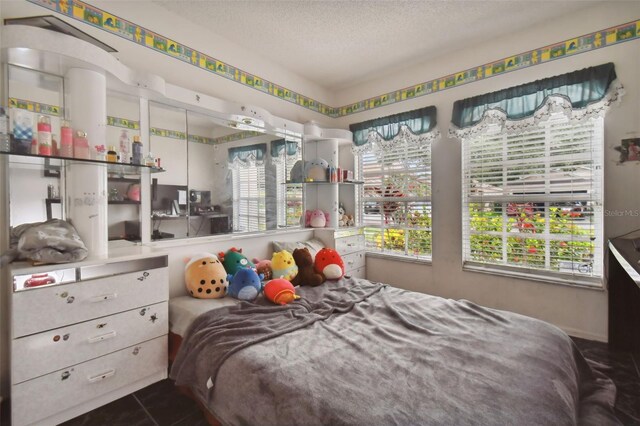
233 260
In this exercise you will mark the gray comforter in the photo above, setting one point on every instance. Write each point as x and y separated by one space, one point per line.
356 352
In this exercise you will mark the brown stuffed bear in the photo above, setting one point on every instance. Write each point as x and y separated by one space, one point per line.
306 274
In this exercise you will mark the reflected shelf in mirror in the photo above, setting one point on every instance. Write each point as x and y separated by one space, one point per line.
116 168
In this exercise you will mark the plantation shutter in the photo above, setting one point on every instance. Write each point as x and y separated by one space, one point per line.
249 199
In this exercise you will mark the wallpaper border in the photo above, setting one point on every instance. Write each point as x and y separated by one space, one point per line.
113 24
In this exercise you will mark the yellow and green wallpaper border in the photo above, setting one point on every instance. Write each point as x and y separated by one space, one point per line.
113 24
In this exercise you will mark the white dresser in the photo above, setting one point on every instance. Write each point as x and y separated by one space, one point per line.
98 333
349 242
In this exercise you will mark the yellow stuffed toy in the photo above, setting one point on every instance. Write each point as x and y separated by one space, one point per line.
283 265
205 277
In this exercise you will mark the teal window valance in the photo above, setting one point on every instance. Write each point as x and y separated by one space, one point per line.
278 148
247 155
576 95
416 124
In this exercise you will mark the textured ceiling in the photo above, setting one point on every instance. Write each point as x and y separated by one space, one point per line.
338 44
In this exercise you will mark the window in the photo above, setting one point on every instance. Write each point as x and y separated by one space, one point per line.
396 199
289 196
249 211
532 201
394 155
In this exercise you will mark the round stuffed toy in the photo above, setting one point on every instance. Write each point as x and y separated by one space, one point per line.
245 284
233 260
306 274
280 291
316 170
283 265
316 218
329 263
205 277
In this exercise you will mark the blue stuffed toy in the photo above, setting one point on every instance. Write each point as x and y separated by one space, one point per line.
246 284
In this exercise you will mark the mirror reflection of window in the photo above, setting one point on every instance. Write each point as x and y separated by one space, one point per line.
247 165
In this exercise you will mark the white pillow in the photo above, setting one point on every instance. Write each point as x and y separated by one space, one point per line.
313 245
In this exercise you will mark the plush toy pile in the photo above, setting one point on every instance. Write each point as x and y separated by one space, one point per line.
246 284
233 260
280 291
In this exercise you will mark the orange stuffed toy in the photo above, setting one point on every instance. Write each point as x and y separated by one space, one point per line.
329 263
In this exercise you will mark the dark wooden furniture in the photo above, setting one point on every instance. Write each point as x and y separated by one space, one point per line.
624 295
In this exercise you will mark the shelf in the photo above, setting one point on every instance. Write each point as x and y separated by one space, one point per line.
119 168
323 183
123 202
123 179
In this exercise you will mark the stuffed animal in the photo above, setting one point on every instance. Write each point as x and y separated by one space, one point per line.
329 263
297 172
316 218
283 265
245 284
233 260
306 274
264 267
280 291
205 277
316 170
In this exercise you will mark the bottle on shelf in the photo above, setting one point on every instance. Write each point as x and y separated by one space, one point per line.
149 160
125 145
81 146
136 148
101 153
112 155
44 136
34 146
66 139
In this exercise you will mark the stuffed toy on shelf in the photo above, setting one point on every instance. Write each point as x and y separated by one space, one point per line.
246 284
306 273
316 170
329 263
205 277
316 218
283 265
233 260
280 291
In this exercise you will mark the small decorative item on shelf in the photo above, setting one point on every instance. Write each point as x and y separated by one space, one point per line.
114 195
34 146
347 175
44 136
112 155
81 146
22 132
136 149
101 153
66 140
125 145
133 192
317 170
149 160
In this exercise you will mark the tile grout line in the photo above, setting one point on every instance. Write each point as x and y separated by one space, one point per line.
145 409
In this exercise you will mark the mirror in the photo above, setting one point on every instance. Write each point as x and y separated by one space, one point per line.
124 196
35 193
235 181
168 146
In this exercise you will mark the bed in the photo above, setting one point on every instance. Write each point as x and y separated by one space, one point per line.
359 352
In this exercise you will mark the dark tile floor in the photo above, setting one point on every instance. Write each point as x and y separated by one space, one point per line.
162 405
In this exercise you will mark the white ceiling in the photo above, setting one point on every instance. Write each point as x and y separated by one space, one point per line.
340 43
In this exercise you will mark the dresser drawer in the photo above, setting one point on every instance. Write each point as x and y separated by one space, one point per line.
354 261
346 245
52 350
41 309
357 273
37 399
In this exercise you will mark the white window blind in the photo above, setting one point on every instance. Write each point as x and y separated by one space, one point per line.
396 199
249 211
532 201
289 196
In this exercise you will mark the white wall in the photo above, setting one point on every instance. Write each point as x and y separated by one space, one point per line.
582 312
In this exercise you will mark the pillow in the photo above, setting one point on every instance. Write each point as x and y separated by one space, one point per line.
313 245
